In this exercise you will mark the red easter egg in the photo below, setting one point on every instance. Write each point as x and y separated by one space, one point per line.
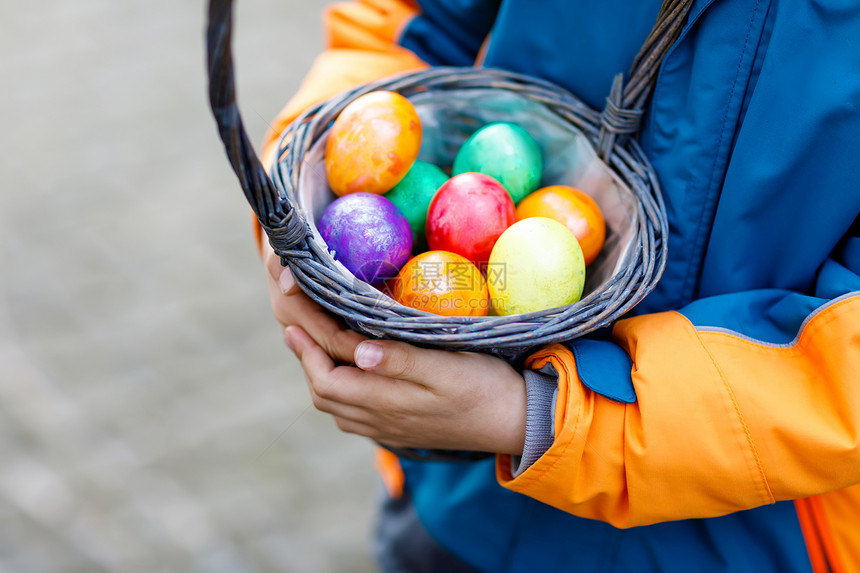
467 215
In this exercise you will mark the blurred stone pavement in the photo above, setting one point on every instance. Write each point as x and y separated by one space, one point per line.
151 419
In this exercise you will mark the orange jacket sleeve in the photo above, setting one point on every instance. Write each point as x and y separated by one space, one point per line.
361 46
722 422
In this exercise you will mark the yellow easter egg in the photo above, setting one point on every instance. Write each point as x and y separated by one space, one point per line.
372 144
536 264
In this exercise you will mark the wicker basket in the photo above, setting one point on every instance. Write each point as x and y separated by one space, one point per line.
285 207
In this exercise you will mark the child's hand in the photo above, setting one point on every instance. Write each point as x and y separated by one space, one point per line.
291 306
405 396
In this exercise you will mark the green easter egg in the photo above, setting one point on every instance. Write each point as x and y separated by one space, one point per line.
413 195
505 152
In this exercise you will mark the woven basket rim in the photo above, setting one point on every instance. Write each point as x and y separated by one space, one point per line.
376 313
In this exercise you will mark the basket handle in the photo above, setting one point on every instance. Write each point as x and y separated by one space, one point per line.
281 221
625 103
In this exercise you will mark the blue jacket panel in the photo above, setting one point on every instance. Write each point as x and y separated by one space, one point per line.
468 513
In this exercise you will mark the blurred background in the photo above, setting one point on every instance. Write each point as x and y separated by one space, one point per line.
150 417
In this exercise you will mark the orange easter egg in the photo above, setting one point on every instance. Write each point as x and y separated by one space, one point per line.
372 144
442 283
572 208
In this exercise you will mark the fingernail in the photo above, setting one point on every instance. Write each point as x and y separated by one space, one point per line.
368 355
288 338
286 280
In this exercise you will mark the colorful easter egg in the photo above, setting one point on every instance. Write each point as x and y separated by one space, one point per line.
507 153
368 234
572 208
413 195
442 283
536 264
372 144
467 215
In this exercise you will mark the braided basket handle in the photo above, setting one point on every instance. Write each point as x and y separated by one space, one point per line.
285 226
625 103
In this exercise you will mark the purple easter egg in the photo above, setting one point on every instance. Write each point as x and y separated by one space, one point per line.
368 234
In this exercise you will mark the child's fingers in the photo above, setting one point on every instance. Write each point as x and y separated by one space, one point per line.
319 375
307 350
299 310
404 361
279 274
344 391
359 428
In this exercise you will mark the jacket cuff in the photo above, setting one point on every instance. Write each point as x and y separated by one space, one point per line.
541 390
556 359
546 362
597 365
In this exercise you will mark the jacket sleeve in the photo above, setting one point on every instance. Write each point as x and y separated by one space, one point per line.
370 39
361 46
722 421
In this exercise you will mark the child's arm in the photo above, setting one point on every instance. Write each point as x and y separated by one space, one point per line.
722 421
367 40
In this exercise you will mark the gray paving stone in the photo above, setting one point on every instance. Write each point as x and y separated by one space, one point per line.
150 418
